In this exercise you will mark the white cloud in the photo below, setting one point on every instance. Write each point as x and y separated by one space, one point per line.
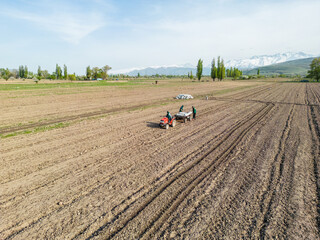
70 27
267 29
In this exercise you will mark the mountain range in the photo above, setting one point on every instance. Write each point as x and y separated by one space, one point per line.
243 64
265 60
294 67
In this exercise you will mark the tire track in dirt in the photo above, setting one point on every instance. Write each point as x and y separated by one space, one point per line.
275 176
190 184
194 132
215 109
44 224
72 118
180 162
229 218
252 92
225 217
198 179
90 114
276 197
128 202
207 111
315 133
245 178
85 192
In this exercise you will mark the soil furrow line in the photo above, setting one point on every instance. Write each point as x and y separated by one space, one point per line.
171 171
158 221
275 177
24 194
94 187
193 155
213 109
237 196
65 205
244 182
76 117
315 135
162 188
71 118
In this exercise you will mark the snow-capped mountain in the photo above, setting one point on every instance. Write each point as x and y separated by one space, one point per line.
132 71
244 64
265 60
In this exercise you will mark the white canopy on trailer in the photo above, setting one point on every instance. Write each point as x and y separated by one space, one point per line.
184 96
183 114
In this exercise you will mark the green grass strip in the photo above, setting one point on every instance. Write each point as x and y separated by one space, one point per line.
36 130
10 87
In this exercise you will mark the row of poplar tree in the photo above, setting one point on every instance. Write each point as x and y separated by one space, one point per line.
44 74
60 73
217 71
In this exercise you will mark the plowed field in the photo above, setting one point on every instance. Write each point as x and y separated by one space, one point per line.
247 168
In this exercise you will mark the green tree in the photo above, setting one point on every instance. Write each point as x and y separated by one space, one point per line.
25 72
39 73
191 75
72 77
104 72
222 71
6 74
138 75
95 73
236 73
219 68
213 69
228 72
21 71
88 73
58 72
232 72
45 74
258 72
65 72
314 71
199 69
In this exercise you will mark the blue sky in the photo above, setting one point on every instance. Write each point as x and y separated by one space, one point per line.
128 34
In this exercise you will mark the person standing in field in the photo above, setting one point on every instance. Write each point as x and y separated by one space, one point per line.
194 111
181 109
169 116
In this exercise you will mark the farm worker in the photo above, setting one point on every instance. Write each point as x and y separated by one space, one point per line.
169 116
181 109
194 111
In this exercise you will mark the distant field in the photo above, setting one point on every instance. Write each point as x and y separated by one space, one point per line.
25 86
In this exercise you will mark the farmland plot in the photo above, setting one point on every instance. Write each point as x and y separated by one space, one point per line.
247 167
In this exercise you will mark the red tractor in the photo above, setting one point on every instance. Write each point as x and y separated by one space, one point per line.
164 122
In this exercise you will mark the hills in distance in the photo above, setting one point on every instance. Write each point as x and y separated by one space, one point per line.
282 63
294 67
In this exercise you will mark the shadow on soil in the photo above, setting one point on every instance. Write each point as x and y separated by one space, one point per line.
152 125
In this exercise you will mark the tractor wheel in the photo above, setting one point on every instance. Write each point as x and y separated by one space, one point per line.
189 118
167 126
173 123
184 120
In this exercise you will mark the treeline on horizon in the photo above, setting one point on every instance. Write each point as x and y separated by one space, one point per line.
218 71
95 73
59 74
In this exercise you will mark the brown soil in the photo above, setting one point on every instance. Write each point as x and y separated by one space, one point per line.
246 168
